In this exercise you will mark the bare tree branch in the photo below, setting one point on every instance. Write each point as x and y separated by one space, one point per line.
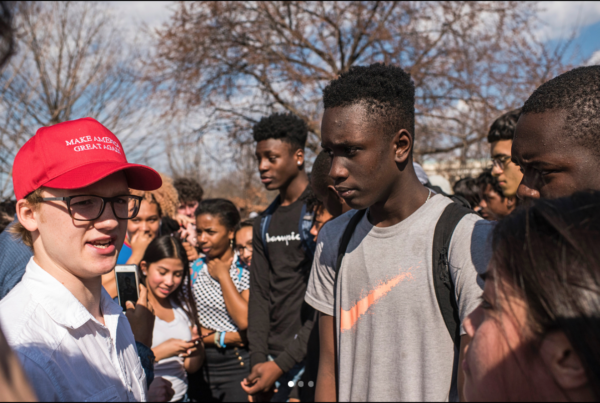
470 61
70 63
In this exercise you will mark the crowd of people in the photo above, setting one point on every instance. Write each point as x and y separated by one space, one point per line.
361 281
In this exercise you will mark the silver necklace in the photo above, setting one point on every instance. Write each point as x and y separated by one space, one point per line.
428 196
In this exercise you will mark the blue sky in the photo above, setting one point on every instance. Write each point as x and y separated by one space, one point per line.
589 43
561 18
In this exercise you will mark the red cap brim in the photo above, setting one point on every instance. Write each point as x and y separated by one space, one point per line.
139 177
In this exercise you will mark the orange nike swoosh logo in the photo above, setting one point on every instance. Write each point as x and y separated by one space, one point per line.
349 318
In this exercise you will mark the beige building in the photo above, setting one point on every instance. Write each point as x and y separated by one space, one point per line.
456 169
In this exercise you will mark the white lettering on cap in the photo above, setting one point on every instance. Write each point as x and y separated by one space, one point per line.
109 144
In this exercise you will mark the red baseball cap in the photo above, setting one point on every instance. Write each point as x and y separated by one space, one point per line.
75 154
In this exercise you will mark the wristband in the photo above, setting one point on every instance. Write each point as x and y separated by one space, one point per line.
222 340
217 336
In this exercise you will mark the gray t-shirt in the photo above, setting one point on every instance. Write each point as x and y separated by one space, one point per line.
393 344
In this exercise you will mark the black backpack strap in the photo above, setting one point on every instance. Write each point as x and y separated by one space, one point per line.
455 198
352 224
442 279
305 224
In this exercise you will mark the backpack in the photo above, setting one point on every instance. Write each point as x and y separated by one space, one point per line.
196 267
304 225
455 198
443 284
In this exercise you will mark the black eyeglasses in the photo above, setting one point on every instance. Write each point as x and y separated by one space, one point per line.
241 248
501 161
90 207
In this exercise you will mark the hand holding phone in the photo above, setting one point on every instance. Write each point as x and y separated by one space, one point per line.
128 284
174 348
141 318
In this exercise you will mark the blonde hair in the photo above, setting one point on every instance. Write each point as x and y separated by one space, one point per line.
18 230
165 197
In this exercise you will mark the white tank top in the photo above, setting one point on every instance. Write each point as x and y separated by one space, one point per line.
172 368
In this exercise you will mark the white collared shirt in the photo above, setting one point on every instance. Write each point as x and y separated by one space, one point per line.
66 353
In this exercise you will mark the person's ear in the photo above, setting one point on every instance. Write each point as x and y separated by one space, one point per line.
511 202
299 157
144 268
403 144
26 215
563 362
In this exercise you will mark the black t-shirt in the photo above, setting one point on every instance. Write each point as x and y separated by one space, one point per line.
279 320
290 269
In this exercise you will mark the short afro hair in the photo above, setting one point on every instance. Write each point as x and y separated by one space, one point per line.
503 128
188 189
578 93
286 127
319 176
387 91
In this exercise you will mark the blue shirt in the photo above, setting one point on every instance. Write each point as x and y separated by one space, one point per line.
14 256
125 254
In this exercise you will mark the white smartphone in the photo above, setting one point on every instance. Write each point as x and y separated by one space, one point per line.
128 283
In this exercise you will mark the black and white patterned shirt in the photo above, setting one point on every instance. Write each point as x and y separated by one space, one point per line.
212 312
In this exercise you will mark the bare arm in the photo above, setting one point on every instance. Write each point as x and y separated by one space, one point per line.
172 348
194 361
231 338
326 377
235 302
139 242
193 364
464 344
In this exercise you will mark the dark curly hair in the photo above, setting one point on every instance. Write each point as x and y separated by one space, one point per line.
188 190
286 127
223 209
388 92
469 189
486 178
311 200
246 223
503 128
578 93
